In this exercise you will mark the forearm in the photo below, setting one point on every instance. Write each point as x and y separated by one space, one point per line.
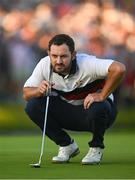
115 76
116 73
31 92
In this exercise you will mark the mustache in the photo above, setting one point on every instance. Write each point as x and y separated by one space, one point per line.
61 64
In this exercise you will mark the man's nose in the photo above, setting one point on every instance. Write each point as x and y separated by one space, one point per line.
59 60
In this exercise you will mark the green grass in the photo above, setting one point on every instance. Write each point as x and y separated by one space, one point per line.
16 152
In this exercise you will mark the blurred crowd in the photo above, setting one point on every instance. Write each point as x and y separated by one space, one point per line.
105 28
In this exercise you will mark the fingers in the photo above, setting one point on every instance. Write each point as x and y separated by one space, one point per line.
44 86
94 97
88 101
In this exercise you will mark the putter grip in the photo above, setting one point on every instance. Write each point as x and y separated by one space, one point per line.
48 93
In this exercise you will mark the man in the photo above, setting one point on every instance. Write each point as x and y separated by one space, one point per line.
81 86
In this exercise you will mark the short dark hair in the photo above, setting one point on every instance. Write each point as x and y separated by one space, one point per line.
60 39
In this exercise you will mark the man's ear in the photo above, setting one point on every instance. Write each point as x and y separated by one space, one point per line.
73 55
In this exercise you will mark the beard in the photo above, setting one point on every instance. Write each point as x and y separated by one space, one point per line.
61 69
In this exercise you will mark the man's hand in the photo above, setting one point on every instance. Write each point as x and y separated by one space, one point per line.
33 92
43 87
90 98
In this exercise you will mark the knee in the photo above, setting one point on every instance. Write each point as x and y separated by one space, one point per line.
30 107
97 110
33 106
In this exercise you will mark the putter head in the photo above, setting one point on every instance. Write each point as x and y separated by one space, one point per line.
36 165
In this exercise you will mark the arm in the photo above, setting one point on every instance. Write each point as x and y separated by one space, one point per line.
31 92
116 73
37 84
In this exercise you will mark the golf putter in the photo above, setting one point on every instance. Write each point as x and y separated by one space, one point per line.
37 165
48 94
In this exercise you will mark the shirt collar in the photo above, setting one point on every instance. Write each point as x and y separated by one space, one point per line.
74 67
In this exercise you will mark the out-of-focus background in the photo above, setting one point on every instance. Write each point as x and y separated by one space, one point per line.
105 28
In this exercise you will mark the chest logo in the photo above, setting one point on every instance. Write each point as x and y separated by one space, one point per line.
79 83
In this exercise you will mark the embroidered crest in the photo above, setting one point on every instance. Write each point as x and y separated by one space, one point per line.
79 83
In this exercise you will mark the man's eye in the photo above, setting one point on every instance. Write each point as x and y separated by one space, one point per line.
54 56
64 56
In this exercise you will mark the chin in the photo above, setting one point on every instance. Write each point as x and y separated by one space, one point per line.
58 70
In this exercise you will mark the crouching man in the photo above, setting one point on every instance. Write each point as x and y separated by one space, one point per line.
83 101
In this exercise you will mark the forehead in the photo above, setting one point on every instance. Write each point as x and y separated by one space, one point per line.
59 49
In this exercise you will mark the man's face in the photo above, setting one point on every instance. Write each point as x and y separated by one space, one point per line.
61 58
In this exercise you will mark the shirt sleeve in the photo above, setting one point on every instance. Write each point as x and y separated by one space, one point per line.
39 74
100 67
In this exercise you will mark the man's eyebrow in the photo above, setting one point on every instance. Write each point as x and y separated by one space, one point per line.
53 54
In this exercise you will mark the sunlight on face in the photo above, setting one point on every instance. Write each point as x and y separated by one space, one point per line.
61 58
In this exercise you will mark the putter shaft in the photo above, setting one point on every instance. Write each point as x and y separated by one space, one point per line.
36 165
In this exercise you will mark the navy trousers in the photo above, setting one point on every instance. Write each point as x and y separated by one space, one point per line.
62 115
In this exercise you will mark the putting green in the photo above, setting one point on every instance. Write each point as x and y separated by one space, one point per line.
18 151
